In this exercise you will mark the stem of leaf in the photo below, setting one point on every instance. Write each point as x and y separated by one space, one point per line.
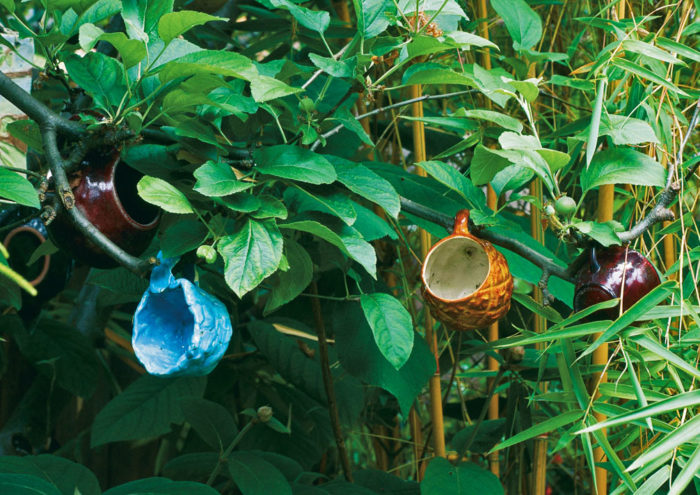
224 455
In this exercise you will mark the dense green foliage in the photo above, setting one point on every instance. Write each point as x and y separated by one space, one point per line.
243 119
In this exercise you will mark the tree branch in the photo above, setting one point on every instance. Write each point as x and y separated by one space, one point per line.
37 111
661 210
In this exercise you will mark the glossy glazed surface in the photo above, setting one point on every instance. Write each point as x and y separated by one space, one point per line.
105 191
482 305
616 271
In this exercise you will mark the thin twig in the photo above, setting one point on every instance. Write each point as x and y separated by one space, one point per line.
328 384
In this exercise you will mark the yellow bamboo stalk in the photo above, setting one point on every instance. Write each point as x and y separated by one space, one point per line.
436 415
491 201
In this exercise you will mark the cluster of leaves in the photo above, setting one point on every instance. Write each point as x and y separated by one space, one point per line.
248 141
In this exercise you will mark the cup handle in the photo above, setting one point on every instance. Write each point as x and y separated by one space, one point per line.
162 276
461 226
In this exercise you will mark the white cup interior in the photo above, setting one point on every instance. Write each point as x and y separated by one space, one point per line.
456 268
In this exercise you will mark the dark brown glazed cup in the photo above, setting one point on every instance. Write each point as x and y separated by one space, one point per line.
611 272
466 281
105 192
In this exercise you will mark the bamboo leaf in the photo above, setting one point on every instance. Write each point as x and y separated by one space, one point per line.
546 426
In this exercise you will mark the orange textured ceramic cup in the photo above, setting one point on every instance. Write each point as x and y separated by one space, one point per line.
466 281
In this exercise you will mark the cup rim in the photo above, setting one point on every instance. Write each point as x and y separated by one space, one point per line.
120 206
430 253
47 259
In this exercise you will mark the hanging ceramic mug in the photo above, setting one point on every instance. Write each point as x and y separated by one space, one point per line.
179 329
466 281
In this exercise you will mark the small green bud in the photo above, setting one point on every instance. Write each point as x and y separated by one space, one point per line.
307 105
549 210
264 414
207 253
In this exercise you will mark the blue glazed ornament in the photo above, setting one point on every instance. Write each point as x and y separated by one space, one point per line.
179 329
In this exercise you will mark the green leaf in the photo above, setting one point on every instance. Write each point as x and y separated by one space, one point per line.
225 63
681 401
687 475
604 233
646 74
627 130
121 284
250 255
523 23
292 162
173 24
541 428
153 486
183 236
24 484
141 17
451 177
391 326
65 476
18 189
131 51
592 141
465 40
270 207
651 51
373 16
61 352
311 19
466 478
210 420
662 352
218 179
485 165
161 193
679 48
333 67
102 77
360 356
347 240
436 75
8 4
623 166
28 132
501 119
687 432
365 183
335 203
547 311
255 476
145 409
265 88
349 121
285 286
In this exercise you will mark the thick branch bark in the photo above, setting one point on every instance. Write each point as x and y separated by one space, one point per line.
37 111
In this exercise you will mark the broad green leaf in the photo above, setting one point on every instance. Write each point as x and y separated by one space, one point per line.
665 354
365 183
501 119
131 51
349 121
485 165
218 179
292 162
547 311
627 130
225 63
18 189
173 24
555 159
348 240
523 23
373 16
212 421
265 88
371 226
513 141
687 432
623 166
8 4
451 177
145 409
654 297
604 233
542 427
333 203
491 83
646 74
391 326
360 356
153 486
183 236
335 68
681 401
250 255
270 207
161 193
465 39
436 75
312 19
65 476
255 476
467 478
24 484
592 141
287 285
102 77
141 17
